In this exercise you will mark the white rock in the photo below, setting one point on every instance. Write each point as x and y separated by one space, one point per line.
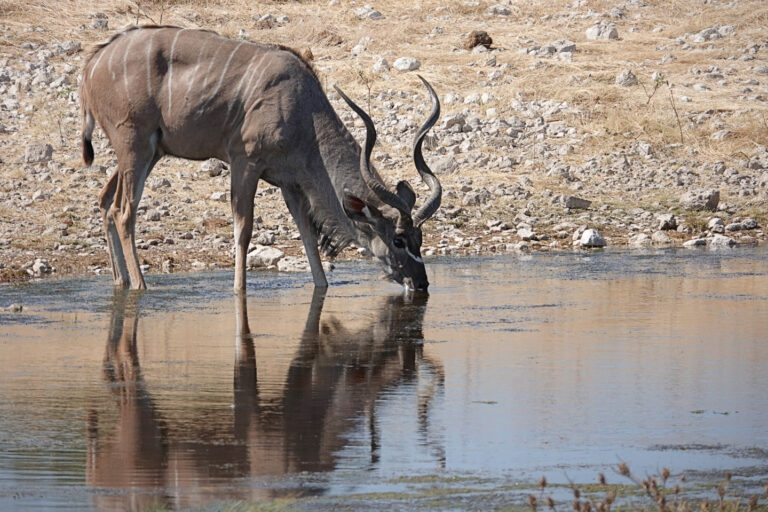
698 242
718 241
368 12
406 64
626 78
602 30
262 256
591 238
219 196
499 10
381 66
38 153
640 240
660 237
212 167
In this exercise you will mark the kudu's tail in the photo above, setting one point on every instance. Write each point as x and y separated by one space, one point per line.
88 125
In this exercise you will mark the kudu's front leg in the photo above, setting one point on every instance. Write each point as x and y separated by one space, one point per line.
300 212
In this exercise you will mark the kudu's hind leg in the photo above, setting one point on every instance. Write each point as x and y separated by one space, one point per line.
297 205
106 198
133 167
244 180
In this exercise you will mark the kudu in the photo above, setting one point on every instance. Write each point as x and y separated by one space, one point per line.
158 90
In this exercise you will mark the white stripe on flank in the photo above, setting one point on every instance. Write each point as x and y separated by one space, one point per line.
194 75
255 83
207 73
125 68
221 78
247 75
170 69
93 68
109 62
149 62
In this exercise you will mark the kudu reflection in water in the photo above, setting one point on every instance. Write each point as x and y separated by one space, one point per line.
335 378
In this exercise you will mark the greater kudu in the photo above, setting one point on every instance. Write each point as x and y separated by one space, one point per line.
193 94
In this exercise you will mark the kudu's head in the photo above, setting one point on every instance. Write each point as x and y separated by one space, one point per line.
396 240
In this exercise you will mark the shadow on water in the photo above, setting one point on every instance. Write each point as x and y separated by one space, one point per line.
336 377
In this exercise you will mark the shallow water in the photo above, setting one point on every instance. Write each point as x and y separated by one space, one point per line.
514 367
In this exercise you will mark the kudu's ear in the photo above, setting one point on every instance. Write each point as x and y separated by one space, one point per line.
358 210
406 193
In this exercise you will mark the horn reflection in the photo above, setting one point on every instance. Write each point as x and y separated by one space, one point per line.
336 380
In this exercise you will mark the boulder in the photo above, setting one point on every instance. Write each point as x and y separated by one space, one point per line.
591 238
698 200
262 256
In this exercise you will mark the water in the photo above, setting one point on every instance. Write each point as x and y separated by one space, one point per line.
514 367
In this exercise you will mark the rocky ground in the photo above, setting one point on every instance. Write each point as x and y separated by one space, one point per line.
565 125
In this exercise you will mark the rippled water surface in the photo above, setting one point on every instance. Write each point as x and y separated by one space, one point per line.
556 365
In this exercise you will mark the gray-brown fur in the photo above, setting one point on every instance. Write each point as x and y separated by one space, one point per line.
196 95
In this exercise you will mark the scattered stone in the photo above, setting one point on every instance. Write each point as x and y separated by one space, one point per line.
626 78
219 196
577 203
591 238
716 225
477 38
499 10
292 264
700 200
406 64
526 234
667 221
261 256
381 66
39 267
749 224
368 13
444 165
563 46
698 242
602 30
100 24
718 241
158 183
661 238
640 240
38 153
213 167
266 238
167 266
720 135
15 308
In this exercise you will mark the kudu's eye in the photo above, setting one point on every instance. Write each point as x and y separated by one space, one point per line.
399 242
